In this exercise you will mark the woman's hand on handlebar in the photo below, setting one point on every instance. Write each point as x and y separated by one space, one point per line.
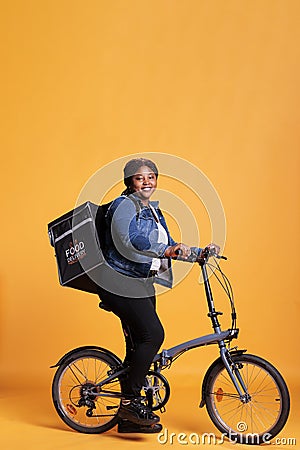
214 249
179 249
210 250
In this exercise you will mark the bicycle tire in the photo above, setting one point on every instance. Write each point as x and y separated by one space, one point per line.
257 421
84 369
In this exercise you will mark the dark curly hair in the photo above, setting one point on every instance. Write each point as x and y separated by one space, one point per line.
131 168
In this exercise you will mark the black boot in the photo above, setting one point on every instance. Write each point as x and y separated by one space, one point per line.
125 426
135 411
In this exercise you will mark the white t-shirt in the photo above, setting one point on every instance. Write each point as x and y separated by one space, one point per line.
162 238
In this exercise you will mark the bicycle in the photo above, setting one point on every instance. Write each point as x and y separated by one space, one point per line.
245 396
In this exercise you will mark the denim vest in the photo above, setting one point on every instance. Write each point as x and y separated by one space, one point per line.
131 239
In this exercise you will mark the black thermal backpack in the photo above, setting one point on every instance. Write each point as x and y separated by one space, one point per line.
77 238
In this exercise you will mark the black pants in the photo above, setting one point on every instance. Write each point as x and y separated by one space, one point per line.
143 333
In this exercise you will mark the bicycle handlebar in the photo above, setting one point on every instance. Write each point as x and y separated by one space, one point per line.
221 257
204 255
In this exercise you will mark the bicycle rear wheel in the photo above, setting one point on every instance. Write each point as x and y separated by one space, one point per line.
80 403
257 420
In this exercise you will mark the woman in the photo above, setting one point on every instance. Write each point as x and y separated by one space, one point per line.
138 253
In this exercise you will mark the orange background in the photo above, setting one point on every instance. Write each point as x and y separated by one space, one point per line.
84 83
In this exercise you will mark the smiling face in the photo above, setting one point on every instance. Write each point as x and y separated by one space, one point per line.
144 183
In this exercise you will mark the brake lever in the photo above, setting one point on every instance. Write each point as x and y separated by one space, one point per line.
207 253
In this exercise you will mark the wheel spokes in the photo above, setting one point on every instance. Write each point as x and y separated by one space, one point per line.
260 413
85 373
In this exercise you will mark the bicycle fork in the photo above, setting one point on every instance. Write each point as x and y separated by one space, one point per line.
234 373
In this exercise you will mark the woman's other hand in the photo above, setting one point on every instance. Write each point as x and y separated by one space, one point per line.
214 249
180 249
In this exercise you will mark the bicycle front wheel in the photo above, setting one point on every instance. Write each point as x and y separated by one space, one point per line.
263 415
78 399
